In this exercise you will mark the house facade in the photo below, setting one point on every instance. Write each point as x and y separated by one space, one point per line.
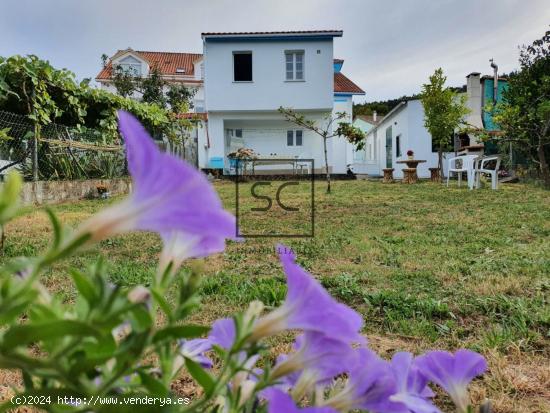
248 76
242 79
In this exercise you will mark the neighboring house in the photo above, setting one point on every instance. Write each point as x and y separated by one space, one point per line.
388 142
248 76
174 68
242 79
481 93
403 129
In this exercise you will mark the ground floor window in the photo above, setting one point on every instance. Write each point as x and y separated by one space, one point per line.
294 137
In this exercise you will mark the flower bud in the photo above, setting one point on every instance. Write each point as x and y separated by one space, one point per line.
139 294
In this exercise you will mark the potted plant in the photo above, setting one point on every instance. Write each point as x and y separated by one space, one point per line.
410 154
102 191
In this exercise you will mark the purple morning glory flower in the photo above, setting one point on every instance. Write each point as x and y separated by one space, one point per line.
318 359
281 402
169 197
370 385
411 385
195 350
309 307
453 372
223 333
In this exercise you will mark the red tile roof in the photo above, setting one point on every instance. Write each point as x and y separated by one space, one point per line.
339 32
343 85
192 116
167 63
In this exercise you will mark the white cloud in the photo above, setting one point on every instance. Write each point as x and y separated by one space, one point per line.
390 47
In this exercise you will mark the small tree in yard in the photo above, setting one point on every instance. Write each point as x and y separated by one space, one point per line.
345 129
524 116
444 111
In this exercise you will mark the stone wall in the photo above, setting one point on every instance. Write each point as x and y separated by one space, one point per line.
53 192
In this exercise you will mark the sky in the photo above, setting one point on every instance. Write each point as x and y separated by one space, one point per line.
390 47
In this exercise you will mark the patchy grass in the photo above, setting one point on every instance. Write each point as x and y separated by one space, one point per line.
427 266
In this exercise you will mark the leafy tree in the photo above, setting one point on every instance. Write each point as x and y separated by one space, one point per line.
152 88
524 116
325 131
444 111
125 82
180 98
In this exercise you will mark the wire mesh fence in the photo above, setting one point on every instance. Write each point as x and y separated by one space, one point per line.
58 152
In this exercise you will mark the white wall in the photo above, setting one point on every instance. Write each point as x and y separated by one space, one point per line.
409 123
269 90
342 150
265 133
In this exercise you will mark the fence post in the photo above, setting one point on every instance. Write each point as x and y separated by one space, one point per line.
35 152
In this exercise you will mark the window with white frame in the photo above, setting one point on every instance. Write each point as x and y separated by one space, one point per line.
294 65
130 65
294 137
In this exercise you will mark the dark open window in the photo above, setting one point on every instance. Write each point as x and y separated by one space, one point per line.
398 146
242 66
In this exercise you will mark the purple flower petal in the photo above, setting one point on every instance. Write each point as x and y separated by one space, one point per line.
319 357
412 389
281 402
169 197
309 307
195 349
453 372
370 385
223 333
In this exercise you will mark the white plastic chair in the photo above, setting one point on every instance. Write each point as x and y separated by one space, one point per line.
482 169
468 164
300 166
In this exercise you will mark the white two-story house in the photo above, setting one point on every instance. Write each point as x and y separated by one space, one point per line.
241 79
248 76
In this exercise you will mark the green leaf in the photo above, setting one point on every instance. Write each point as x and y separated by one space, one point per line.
57 229
154 386
162 302
202 377
141 318
84 286
177 332
29 333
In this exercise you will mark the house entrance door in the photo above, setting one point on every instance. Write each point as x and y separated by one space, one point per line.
389 148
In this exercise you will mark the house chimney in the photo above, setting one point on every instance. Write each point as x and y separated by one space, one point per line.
495 81
374 116
474 102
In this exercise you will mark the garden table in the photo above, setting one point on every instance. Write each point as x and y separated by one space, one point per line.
409 173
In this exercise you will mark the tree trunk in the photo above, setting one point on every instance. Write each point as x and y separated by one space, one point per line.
544 169
440 163
326 164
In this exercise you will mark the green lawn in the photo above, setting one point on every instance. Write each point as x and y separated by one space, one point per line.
427 266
